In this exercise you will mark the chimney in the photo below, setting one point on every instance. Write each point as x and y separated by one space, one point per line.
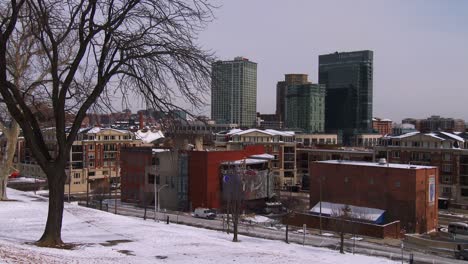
140 117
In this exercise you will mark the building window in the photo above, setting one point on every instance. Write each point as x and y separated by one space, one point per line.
447 157
446 179
155 161
151 178
395 154
371 180
447 168
346 179
397 184
464 192
447 191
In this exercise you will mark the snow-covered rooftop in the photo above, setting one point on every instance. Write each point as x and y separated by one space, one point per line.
336 209
155 150
375 164
244 161
440 135
410 134
453 136
262 156
270 132
149 136
96 130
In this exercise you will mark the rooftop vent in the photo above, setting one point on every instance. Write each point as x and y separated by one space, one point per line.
382 161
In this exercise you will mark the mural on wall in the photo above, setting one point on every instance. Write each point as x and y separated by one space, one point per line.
255 184
432 190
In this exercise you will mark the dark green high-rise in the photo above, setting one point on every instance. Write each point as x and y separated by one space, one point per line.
305 107
348 103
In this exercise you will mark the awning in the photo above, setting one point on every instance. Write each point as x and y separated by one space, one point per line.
244 161
263 156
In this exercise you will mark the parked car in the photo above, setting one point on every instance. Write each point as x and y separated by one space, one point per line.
462 254
458 229
204 213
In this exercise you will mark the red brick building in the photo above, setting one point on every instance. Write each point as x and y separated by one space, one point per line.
383 126
406 193
204 174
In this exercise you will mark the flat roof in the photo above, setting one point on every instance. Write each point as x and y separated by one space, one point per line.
347 151
376 164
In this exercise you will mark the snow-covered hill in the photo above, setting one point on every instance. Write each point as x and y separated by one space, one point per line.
106 238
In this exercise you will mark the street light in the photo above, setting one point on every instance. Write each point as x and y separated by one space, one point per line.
156 197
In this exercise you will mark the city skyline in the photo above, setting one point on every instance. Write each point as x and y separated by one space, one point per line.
417 48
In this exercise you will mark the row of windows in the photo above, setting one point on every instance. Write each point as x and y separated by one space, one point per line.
89 137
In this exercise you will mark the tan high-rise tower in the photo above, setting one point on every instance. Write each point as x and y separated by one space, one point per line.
281 87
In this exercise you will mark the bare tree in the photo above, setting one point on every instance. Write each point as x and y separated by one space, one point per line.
342 217
291 204
233 192
91 50
21 48
100 193
10 131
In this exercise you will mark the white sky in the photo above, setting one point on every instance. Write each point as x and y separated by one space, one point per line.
420 47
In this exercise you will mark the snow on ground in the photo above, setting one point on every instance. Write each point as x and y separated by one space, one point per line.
106 238
258 219
25 180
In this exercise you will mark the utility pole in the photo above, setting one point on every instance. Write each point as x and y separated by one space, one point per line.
115 195
87 189
320 215
155 198
70 176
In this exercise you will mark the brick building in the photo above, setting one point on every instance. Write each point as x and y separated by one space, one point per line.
407 193
204 174
382 125
447 151
95 156
143 167
306 155
280 144
437 123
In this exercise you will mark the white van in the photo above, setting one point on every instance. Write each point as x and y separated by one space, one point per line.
204 213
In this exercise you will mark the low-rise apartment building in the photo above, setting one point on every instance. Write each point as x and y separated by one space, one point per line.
280 144
94 157
447 151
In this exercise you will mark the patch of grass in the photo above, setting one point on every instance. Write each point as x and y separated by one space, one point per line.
110 243
126 252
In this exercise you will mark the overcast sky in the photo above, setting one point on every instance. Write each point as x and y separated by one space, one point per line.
420 47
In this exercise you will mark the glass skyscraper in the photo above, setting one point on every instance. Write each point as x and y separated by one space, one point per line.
305 107
348 80
234 92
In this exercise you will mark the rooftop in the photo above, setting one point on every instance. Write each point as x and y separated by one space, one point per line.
375 164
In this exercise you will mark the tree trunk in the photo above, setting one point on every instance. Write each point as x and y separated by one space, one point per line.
52 236
287 230
227 218
11 134
3 186
342 242
235 219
